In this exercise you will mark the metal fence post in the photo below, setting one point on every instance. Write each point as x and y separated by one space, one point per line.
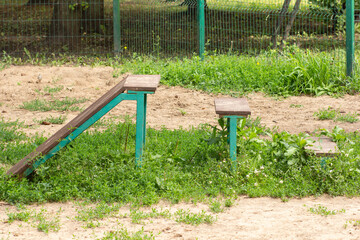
201 26
116 19
350 37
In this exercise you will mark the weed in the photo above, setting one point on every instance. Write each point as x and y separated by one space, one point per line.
53 120
215 207
229 203
55 104
126 235
296 106
51 90
336 115
182 112
137 215
39 220
193 218
100 211
354 223
323 211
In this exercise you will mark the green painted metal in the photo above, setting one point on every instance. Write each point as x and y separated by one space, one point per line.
116 23
138 96
201 26
140 126
232 131
350 37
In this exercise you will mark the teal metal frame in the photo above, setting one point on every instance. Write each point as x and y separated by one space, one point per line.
232 130
139 96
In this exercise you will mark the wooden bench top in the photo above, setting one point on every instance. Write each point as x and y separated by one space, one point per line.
323 147
142 82
232 107
133 82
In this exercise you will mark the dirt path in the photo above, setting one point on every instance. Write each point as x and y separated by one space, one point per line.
172 107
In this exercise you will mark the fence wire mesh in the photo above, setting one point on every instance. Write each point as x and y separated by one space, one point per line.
168 27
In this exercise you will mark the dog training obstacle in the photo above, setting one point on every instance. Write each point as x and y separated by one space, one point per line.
323 148
133 87
232 109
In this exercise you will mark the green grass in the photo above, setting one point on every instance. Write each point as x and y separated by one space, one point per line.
66 104
40 220
124 234
182 165
295 72
324 211
52 120
336 115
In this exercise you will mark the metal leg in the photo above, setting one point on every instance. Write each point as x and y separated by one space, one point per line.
145 106
233 129
139 142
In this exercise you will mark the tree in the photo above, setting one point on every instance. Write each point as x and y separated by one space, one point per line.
71 18
280 21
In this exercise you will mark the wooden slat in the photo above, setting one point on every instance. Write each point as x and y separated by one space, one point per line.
43 149
323 147
232 106
142 82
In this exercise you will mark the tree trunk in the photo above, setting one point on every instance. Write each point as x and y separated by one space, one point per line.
279 23
93 17
66 25
74 18
290 23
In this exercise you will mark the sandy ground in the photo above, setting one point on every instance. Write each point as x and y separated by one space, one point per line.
172 107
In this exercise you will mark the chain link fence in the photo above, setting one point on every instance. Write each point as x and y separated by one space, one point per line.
167 27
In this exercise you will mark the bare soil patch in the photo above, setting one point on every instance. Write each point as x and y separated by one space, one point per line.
174 107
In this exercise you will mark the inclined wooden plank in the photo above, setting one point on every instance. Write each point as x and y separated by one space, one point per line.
142 83
43 149
232 106
323 146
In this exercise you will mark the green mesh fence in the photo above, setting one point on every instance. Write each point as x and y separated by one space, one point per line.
169 27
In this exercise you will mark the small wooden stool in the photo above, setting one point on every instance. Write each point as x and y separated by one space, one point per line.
232 109
324 148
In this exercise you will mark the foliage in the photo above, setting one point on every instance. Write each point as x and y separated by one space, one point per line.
182 165
336 115
294 72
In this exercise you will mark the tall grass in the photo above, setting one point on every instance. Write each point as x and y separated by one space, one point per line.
293 72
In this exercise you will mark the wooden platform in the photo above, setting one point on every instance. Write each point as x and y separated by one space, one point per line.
133 82
323 147
232 107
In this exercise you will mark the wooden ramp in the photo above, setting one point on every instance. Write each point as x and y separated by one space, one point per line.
133 82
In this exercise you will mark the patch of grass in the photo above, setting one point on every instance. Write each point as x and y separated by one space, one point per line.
354 223
296 72
66 104
53 120
38 220
51 90
124 234
336 115
229 202
296 106
137 215
215 207
324 211
9 131
100 211
185 216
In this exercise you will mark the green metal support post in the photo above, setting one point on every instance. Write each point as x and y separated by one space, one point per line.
117 34
140 129
350 37
140 97
232 131
201 27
